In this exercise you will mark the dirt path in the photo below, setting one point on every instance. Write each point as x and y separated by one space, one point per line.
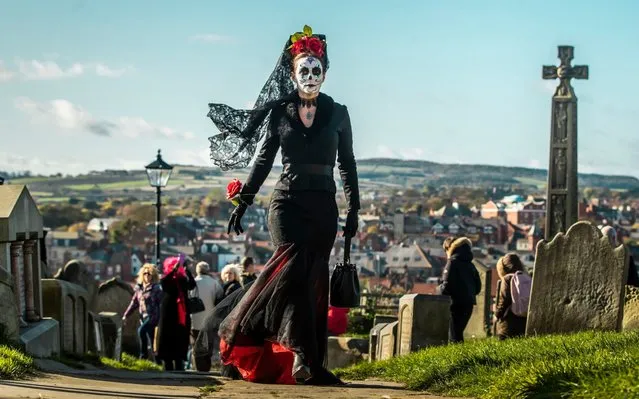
159 386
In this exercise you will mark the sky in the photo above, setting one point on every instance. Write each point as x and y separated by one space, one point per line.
103 84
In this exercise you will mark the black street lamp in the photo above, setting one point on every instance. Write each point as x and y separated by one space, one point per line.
158 173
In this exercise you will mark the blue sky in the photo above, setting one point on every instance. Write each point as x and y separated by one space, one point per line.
102 84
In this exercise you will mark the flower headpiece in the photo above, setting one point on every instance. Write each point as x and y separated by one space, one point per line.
305 42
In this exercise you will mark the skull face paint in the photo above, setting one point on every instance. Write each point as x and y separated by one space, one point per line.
309 74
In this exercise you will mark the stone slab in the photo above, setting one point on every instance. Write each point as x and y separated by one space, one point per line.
423 322
386 341
373 339
631 309
42 338
578 283
9 320
479 323
345 351
384 318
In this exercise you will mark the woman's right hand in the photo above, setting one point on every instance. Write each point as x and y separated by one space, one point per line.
236 218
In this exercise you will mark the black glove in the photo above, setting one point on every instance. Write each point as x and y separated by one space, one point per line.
350 229
236 217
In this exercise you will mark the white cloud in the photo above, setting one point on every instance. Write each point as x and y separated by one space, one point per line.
49 70
412 153
210 38
5 74
385 152
534 163
103 70
67 115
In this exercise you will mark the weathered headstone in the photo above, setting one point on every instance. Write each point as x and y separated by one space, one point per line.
383 318
386 341
631 309
373 340
423 321
578 283
479 323
114 296
561 203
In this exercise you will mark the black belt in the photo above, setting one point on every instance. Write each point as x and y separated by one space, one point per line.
311 169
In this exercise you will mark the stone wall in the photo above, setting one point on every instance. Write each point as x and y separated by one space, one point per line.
68 304
9 322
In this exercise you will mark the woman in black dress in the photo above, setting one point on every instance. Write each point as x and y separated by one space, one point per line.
277 333
175 321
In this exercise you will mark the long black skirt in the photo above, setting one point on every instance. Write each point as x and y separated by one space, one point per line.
285 310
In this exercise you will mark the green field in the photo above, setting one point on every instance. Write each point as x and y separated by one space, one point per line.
132 184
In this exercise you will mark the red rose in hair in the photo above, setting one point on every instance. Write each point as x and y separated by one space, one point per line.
298 47
315 46
233 189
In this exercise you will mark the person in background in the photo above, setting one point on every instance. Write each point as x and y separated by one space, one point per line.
175 321
508 324
231 279
633 277
337 320
146 298
248 271
210 292
461 282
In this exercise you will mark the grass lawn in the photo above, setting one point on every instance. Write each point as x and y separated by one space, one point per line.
584 365
14 364
131 363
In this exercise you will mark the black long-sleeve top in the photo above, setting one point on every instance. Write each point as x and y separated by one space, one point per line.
315 148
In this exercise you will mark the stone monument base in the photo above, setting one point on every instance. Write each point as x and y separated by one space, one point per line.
345 351
42 338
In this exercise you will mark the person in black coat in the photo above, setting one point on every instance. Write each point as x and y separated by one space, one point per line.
175 321
462 283
277 333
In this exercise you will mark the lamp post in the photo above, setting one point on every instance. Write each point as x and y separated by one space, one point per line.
158 173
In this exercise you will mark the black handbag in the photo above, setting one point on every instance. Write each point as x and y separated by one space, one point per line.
195 304
344 282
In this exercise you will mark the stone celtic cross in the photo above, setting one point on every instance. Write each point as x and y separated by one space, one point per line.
562 194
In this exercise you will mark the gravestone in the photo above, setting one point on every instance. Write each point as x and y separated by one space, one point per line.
631 309
386 341
578 284
373 340
479 323
423 321
561 206
383 318
115 295
112 329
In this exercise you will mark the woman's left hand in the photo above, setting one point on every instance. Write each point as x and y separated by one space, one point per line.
350 228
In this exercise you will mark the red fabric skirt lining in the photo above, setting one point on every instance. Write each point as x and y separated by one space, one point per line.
269 362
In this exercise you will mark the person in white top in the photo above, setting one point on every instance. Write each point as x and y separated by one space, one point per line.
210 292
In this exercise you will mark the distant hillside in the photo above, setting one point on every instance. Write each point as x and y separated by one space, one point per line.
374 174
478 175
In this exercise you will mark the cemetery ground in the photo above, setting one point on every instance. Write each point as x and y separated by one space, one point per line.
582 365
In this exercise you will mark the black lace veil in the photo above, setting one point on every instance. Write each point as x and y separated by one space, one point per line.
241 129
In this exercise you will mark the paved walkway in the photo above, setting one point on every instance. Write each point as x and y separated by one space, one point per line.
62 382
52 386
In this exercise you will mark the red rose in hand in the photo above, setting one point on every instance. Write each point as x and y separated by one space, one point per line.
233 189
315 46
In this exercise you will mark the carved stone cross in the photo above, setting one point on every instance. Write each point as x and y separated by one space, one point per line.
565 71
562 194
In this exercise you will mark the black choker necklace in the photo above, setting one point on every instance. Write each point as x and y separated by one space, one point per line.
308 103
